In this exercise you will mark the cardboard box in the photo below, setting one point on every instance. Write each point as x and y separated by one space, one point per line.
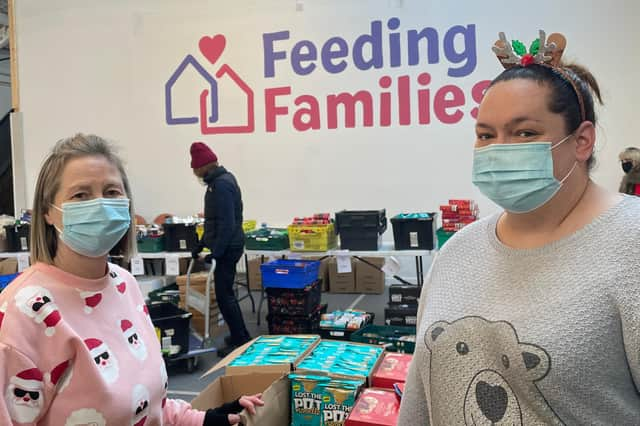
323 272
341 283
370 280
375 407
227 389
393 369
198 281
8 266
230 370
254 273
277 406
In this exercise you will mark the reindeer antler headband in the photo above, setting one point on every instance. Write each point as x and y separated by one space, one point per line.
543 51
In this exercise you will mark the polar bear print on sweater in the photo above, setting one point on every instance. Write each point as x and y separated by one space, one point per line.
481 374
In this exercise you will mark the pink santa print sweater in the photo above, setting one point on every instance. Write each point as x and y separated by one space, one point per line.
76 352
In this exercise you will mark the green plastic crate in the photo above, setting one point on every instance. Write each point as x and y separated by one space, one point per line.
151 244
267 239
387 334
443 236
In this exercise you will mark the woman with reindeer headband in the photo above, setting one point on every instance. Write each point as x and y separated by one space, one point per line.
542 325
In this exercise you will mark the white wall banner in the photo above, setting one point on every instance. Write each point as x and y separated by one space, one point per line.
315 106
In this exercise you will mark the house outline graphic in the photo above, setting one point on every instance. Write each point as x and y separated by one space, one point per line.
168 88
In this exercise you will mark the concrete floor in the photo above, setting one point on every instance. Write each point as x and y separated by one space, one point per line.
186 386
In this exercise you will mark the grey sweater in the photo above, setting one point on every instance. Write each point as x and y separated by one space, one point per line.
531 336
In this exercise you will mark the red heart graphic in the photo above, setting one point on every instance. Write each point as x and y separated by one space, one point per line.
212 47
122 287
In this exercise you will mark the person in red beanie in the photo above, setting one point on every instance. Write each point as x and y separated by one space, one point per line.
223 235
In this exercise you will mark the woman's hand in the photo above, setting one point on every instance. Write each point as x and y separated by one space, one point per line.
249 403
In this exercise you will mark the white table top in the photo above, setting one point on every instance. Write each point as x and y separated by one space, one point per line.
4 255
158 255
386 250
164 254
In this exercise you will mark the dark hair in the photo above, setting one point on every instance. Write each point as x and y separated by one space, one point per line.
564 99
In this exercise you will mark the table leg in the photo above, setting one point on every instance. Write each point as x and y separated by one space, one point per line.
261 296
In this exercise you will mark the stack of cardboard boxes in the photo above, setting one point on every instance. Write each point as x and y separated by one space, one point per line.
363 278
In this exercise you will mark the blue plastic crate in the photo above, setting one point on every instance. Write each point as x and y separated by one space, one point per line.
289 273
6 279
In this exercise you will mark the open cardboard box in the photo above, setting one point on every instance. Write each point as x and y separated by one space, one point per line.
230 370
275 389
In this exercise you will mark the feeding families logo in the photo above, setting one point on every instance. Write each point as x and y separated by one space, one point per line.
387 100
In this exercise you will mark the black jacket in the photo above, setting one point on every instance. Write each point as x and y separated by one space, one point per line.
222 213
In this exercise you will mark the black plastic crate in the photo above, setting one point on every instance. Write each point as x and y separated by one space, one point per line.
286 324
359 219
291 301
18 237
172 323
403 315
180 236
414 233
360 239
404 294
361 229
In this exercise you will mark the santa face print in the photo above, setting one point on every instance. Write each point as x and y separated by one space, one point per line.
134 342
108 366
38 304
140 405
23 396
86 417
24 405
104 359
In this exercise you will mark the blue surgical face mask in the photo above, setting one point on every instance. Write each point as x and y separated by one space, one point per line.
92 228
519 176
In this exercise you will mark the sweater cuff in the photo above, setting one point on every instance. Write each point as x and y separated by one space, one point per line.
231 408
219 416
214 418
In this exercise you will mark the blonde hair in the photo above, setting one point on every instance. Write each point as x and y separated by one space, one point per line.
44 237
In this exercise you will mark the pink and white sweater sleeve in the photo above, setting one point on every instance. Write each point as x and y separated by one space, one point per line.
76 351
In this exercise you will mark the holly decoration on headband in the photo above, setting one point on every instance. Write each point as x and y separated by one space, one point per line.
542 50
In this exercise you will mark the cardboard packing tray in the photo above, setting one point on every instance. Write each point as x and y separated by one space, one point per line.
368 380
230 370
